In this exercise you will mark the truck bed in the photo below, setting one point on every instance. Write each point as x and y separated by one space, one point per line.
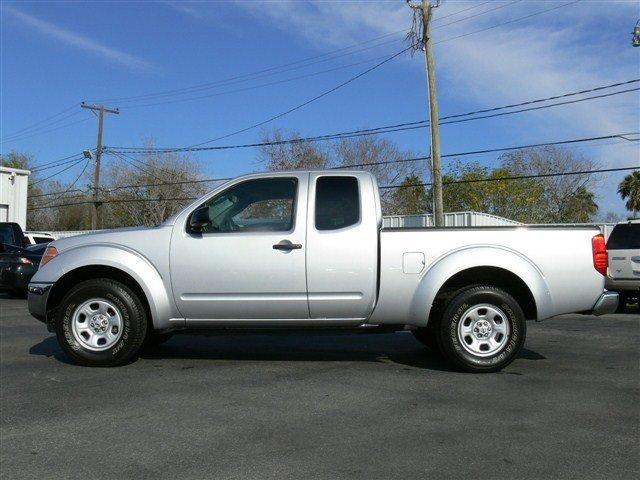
554 261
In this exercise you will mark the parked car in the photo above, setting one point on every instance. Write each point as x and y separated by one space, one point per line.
17 266
35 238
623 275
307 250
11 234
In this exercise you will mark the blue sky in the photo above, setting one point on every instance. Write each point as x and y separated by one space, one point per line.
56 54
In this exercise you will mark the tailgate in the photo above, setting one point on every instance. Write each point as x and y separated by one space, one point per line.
624 264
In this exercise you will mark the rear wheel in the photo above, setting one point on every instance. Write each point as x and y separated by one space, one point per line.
482 329
101 323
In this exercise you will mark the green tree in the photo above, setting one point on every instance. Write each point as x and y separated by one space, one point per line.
411 198
539 199
629 190
466 188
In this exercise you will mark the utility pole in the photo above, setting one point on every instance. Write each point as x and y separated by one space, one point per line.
424 11
95 214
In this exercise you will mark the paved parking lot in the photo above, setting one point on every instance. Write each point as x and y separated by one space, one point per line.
323 406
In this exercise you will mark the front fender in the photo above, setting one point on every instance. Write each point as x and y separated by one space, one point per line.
122 258
453 262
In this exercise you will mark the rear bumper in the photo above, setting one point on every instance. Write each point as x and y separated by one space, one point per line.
38 293
625 285
607 303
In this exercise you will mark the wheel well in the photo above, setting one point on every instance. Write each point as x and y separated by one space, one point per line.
494 276
89 272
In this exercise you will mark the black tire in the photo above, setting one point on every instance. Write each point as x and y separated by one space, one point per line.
428 336
132 312
622 303
450 341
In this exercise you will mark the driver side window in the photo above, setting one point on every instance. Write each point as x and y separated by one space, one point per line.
264 205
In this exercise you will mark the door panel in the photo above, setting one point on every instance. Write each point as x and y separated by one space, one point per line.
233 270
342 247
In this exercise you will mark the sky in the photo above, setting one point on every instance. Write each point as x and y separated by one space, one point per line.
53 55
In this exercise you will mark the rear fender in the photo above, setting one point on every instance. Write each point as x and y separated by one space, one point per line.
445 267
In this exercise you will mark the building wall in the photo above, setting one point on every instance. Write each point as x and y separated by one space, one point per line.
13 195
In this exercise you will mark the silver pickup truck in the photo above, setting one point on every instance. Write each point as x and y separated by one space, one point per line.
307 250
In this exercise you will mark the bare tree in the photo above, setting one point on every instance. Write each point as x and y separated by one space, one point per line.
383 158
281 154
565 198
166 185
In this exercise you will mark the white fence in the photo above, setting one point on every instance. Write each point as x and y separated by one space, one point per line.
452 219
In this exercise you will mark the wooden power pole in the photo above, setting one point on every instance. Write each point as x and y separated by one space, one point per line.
95 214
425 8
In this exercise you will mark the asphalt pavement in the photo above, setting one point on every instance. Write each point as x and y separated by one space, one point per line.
326 406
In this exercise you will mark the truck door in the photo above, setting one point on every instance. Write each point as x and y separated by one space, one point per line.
342 245
249 263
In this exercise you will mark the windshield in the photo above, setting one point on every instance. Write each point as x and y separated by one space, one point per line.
6 235
624 236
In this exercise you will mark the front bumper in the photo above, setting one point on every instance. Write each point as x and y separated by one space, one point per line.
38 293
607 303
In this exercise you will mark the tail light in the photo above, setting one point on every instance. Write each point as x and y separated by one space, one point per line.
25 261
600 257
49 254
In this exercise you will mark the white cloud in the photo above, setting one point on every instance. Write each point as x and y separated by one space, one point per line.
77 41
189 9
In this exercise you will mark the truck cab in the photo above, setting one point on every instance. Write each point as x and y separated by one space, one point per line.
291 247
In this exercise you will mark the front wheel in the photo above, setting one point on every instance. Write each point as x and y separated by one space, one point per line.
101 323
482 329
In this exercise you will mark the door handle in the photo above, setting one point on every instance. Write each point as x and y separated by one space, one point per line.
287 246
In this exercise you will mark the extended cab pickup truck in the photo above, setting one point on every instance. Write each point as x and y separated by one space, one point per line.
306 250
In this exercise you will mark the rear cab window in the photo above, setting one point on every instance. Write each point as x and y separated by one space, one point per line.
337 202
625 236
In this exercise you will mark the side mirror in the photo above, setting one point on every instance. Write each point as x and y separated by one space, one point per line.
199 219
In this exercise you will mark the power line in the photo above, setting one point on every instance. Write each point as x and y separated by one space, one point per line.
62 194
56 193
241 79
31 126
56 174
508 22
518 177
416 159
55 163
261 73
45 131
475 180
387 128
254 87
307 102
477 14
